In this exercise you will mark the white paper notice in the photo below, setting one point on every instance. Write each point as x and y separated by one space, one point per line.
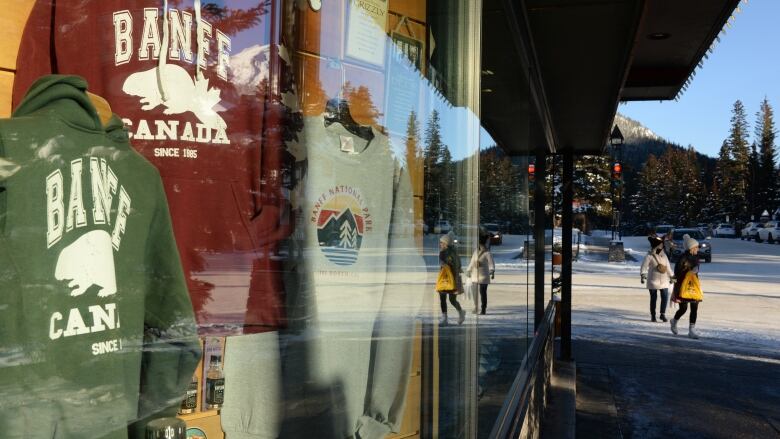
366 36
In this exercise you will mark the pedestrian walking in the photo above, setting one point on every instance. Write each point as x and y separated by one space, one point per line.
449 262
687 290
481 270
657 272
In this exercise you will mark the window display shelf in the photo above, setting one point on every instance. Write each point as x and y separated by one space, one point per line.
198 415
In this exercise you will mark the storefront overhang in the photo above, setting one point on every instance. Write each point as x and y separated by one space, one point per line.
574 61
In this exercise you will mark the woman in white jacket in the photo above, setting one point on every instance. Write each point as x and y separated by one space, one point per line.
657 271
481 270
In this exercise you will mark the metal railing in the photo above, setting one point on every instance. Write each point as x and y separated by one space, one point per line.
523 410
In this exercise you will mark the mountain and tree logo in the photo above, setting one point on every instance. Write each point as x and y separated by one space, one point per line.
341 226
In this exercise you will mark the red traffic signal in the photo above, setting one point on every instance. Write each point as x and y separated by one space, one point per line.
616 170
531 171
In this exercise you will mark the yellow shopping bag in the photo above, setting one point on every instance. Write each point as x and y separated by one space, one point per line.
691 288
446 281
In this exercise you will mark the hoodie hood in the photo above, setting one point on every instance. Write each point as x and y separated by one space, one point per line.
64 95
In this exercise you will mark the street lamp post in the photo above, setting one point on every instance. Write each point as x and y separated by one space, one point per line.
616 141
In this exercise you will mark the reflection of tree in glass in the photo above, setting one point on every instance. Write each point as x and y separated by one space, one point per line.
414 153
314 96
361 106
499 187
439 172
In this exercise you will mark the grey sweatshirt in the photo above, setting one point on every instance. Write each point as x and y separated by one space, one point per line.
355 281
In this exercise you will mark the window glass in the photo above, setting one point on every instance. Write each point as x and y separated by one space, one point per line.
235 218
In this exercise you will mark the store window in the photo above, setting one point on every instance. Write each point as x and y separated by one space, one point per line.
229 219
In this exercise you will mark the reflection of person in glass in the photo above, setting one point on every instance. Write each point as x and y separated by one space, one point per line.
481 270
449 256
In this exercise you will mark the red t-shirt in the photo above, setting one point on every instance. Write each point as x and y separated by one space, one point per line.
212 128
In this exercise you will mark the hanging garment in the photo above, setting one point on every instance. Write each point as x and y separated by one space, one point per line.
193 85
96 326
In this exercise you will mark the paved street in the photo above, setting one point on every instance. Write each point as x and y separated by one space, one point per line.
637 380
634 378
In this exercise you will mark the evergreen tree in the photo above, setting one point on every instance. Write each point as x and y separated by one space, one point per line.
361 104
682 188
499 187
740 155
414 154
723 180
432 156
448 189
753 188
712 204
766 179
647 201
592 188
347 235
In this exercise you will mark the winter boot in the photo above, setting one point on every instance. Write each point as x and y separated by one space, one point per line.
663 318
443 320
652 317
692 331
483 311
673 324
461 317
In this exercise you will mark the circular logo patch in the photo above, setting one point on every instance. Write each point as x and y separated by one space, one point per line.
342 220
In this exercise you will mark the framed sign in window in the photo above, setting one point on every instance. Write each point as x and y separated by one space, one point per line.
404 82
413 49
366 34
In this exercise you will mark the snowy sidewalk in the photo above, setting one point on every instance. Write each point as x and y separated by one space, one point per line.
637 380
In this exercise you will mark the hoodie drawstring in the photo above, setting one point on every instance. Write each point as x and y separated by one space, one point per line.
199 33
163 56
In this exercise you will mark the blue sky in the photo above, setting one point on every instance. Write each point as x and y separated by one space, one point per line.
745 65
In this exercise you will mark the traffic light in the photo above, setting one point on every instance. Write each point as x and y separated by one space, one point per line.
531 175
617 175
617 170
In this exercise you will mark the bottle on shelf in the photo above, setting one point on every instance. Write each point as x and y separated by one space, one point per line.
190 401
166 428
215 384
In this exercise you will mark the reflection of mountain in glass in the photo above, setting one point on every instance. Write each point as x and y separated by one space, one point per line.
249 69
340 236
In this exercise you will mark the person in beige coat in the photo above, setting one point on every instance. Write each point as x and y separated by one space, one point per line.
657 272
481 270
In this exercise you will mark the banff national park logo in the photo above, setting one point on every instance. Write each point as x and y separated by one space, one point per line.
342 221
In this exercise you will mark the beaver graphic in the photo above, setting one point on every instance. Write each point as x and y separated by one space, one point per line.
182 92
88 261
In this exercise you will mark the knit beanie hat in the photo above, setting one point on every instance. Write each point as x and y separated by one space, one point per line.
689 242
446 239
655 241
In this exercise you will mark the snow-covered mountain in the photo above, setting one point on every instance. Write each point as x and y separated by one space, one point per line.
634 130
249 67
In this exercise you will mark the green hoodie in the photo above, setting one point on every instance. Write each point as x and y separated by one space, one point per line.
96 327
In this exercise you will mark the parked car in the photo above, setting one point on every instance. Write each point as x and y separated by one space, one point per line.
442 227
496 238
751 230
706 229
769 233
724 230
705 246
663 229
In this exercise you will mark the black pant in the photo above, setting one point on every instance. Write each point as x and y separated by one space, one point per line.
684 307
664 299
453 301
483 295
